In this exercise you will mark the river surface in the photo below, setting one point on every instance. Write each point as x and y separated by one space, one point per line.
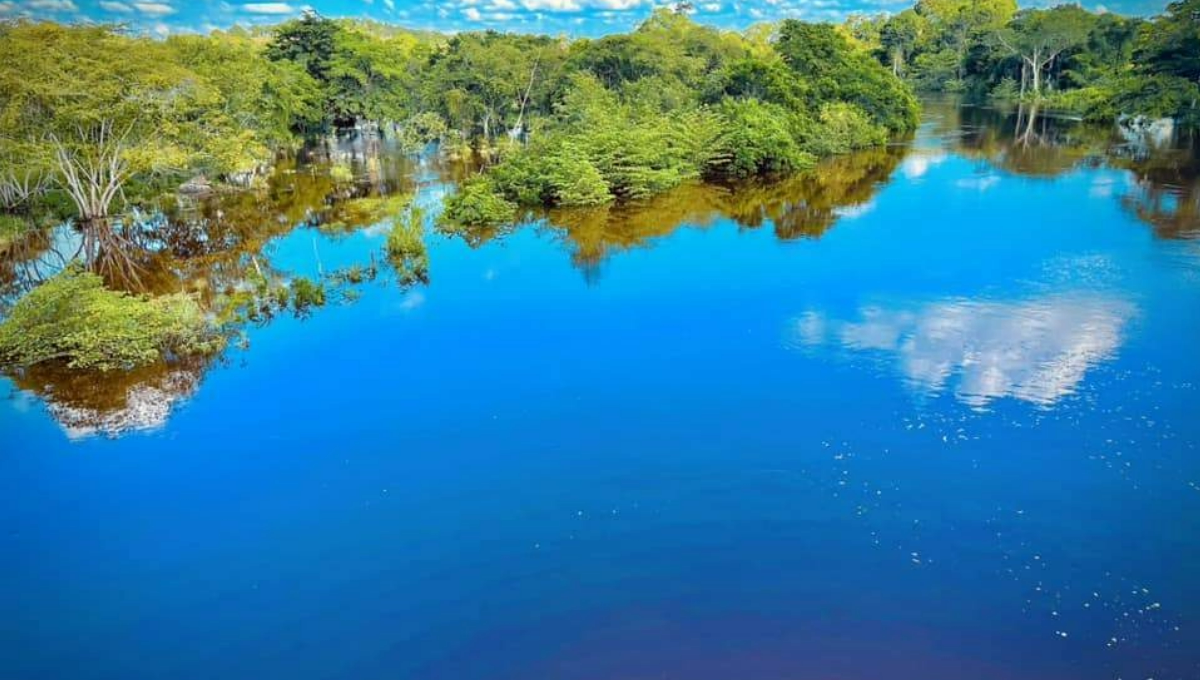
930 412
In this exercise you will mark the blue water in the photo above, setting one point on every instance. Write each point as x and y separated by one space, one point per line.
953 437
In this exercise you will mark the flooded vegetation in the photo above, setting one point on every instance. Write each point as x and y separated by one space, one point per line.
922 410
248 255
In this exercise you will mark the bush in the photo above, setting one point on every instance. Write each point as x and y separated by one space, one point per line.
555 174
73 318
478 203
1154 96
842 128
1008 89
757 141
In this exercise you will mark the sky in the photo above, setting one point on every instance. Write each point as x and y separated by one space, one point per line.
569 17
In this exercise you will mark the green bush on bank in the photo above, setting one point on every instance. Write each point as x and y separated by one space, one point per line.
73 318
758 140
842 128
478 203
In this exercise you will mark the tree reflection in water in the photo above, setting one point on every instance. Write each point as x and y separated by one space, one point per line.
215 245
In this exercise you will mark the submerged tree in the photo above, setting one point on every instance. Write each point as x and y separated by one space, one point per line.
102 110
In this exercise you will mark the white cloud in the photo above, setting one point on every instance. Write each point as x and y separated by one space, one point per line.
267 8
120 7
52 5
580 5
154 9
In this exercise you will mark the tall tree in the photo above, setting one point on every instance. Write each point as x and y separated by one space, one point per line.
1039 37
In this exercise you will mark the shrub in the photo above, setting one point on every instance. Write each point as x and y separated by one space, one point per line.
406 247
572 180
478 203
1155 96
73 318
757 141
1008 89
844 127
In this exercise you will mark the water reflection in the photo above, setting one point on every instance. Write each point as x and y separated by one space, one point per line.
1035 350
218 246
799 207
1163 164
117 402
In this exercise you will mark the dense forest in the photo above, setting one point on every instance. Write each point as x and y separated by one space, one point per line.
1100 65
98 124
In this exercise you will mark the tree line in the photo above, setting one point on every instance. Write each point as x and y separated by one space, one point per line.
1098 64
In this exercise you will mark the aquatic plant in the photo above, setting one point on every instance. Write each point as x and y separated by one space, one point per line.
406 247
306 294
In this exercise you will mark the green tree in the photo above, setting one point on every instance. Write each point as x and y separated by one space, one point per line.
273 98
837 71
1038 37
898 38
107 109
309 41
1171 45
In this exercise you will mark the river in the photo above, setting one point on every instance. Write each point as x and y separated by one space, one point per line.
928 412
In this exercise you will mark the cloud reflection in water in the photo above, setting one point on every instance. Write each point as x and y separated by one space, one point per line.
1036 350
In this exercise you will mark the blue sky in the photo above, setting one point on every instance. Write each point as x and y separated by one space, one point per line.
572 17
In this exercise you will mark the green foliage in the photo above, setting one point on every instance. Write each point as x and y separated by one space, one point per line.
306 294
309 41
756 141
421 129
12 229
1102 65
841 73
1153 96
406 247
1171 46
1008 89
675 102
341 173
103 114
272 98
365 211
73 318
842 128
478 203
